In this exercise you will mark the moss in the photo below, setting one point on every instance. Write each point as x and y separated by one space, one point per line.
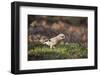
68 51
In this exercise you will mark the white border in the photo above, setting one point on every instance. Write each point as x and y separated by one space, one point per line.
26 65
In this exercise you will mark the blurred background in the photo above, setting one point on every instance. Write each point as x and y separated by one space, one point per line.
41 28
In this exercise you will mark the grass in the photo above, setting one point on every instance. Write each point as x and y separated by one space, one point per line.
64 51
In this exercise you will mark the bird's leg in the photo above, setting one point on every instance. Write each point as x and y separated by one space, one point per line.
51 46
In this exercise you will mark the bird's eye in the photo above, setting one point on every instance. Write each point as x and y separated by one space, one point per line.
63 36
